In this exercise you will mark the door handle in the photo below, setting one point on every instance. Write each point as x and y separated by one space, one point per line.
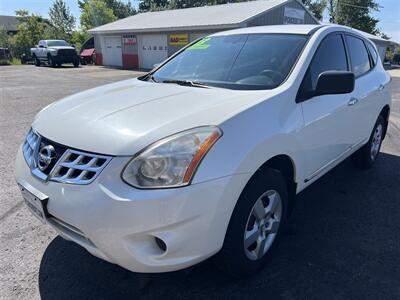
381 87
352 101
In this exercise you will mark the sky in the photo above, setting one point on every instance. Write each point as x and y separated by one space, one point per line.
389 14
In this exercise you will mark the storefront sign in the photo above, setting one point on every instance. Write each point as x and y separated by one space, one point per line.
129 40
293 16
178 39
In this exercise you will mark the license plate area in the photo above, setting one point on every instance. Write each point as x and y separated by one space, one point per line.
35 200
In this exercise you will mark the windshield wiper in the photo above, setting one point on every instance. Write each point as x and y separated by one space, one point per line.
186 83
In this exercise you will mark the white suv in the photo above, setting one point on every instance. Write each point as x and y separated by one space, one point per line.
206 153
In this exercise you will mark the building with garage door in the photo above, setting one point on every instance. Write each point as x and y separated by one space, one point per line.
146 39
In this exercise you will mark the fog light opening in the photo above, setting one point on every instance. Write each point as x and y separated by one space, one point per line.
161 244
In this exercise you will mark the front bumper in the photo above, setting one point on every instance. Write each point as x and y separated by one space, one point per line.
118 223
60 58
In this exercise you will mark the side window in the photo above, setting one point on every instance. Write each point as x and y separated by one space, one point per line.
330 56
358 55
374 55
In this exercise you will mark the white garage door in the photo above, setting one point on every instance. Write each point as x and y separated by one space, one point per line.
112 53
152 50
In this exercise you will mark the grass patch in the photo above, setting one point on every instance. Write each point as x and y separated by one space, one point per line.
15 61
7 62
4 62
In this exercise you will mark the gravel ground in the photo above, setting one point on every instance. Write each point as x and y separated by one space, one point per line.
342 240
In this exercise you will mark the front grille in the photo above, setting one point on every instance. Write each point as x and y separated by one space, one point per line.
30 148
79 167
66 165
58 149
66 52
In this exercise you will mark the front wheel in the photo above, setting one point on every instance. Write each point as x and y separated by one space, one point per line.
51 61
365 157
37 62
255 225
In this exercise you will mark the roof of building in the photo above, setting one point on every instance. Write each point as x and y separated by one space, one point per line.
223 16
8 23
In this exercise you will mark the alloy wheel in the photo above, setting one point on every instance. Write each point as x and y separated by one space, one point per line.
262 224
376 141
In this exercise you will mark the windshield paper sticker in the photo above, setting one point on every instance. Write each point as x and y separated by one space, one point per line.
202 44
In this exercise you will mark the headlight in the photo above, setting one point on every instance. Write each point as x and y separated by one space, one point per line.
53 51
171 162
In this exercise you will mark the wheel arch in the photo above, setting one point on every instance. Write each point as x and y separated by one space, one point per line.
287 167
385 113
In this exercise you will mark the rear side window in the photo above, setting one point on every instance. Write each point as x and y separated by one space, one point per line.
358 55
374 55
330 56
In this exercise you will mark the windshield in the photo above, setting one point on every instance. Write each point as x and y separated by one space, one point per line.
244 61
56 43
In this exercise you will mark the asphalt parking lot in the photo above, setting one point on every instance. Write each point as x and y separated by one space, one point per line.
343 240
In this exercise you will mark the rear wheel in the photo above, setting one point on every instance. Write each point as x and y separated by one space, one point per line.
37 62
365 157
76 63
255 225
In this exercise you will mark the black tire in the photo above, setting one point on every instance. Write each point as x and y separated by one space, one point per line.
51 61
366 156
76 63
234 256
59 65
37 62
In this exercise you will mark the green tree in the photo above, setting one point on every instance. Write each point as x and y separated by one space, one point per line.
356 14
31 29
151 5
317 7
96 13
78 38
4 38
120 9
62 21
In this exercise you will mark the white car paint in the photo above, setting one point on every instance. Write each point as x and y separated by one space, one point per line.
123 118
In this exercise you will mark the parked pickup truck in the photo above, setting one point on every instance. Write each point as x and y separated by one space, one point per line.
55 53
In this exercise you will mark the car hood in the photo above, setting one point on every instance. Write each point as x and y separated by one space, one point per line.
124 117
60 47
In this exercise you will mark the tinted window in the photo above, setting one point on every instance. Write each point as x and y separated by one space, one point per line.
330 56
358 55
57 43
243 61
374 55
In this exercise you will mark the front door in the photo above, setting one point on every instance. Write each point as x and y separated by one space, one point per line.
326 134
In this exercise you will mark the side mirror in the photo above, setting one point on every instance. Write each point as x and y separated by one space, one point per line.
335 82
330 83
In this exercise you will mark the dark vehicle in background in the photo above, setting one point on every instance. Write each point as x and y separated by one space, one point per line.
396 59
55 53
87 52
5 54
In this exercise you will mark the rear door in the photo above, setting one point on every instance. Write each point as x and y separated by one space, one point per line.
41 51
367 89
325 136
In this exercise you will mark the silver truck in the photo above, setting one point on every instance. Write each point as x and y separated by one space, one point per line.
55 53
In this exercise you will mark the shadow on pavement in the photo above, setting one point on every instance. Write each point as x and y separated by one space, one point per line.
342 242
